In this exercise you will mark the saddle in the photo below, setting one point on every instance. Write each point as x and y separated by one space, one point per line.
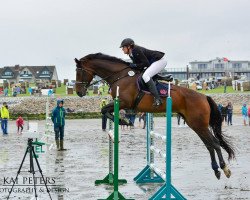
160 77
162 87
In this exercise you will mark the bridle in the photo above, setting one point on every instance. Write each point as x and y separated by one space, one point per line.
85 84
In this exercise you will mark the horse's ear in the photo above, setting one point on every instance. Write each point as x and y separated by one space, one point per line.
77 61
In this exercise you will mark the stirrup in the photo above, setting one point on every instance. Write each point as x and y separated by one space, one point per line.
157 102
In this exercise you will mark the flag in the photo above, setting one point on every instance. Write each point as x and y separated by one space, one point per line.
225 59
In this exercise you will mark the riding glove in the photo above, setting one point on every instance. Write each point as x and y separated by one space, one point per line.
132 65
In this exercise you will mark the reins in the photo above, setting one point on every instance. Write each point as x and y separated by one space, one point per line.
85 84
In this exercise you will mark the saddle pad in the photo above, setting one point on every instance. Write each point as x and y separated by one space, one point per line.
162 87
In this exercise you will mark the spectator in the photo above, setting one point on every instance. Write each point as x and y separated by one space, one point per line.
249 115
122 116
19 123
219 107
5 116
104 117
229 113
6 91
142 116
18 90
225 87
244 113
50 92
100 91
224 114
130 115
58 119
30 91
179 119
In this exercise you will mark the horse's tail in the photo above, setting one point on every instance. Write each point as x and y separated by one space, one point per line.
215 123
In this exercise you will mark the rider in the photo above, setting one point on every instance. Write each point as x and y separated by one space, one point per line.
152 61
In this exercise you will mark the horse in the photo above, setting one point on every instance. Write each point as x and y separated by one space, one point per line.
198 110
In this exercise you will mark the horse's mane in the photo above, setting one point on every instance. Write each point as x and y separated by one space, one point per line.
103 57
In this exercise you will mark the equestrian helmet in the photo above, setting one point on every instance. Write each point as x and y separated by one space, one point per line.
127 42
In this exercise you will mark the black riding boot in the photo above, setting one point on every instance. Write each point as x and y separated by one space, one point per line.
154 92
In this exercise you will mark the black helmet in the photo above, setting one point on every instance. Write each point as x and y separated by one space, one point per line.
127 42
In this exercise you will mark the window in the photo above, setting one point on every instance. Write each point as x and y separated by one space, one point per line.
45 72
202 66
237 65
219 65
8 73
24 72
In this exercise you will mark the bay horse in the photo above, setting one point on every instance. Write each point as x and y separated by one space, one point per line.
199 111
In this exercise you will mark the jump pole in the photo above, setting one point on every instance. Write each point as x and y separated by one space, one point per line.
148 175
116 195
109 179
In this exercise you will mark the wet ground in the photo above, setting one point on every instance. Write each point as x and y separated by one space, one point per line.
71 174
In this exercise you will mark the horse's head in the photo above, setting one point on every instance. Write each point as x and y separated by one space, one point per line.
83 78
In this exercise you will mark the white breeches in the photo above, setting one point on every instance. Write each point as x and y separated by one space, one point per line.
154 69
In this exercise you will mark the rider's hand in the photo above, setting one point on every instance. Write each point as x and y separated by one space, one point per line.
132 65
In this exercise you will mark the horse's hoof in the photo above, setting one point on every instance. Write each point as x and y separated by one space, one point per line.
227 172
217 174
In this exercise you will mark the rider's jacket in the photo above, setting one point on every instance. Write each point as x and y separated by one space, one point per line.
143 57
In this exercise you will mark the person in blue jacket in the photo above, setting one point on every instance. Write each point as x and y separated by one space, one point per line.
58 119
244 113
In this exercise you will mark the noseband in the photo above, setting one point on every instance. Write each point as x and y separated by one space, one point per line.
84 84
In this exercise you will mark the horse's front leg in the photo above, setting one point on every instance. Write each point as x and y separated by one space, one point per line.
108 110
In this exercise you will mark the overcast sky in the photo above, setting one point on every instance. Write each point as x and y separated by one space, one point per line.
54 32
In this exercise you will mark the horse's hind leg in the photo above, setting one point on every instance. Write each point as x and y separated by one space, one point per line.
223 165
210 147
212 143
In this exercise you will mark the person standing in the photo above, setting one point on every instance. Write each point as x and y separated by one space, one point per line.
131 115
244 113
5 116
104 117
225 87
219 107
248 114
179 117
229 113
19 123
122 116
58 119
6 91
142 116
224 114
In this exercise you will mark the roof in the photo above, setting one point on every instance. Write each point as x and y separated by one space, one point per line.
222 59
33 69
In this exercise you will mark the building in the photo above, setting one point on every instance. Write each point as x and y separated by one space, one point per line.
218 67
28 73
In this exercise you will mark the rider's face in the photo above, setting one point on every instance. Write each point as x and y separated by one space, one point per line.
125 50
